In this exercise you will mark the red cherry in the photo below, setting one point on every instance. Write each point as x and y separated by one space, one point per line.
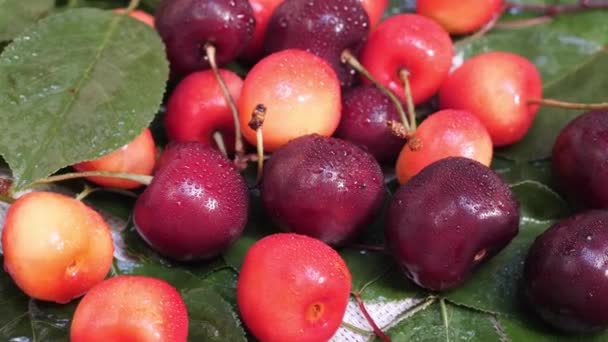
301 93
262 10
460 17
447 133
197 108
375 9
413 43
496 87
293 288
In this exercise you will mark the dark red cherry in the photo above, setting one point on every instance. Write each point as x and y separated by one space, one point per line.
566 270
196 205
365 113
187 25
323 187
580 159
449 218
322 27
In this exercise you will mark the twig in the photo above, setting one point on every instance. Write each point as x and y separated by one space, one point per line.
369 318
569 105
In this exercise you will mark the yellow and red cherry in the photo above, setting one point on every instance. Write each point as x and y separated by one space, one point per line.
447 133
375 9
301 93
497 88
462 16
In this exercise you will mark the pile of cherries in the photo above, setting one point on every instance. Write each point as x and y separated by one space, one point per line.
331 94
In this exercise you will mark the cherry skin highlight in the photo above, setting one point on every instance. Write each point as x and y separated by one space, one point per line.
579 159
413 43
293 288
130 308
55 247
365 113
322 187
460 17
262 10
375 9
323 27
450 217
496 87
197 108
301 93
565 273
196 205
187 25
447 133
137 157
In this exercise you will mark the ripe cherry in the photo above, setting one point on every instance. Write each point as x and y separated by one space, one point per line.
187 25
301 93
262 10
293 288
496 87
130 308
411 43
137 157
375 9
322 27
323 187
579 159
449 218
460 17
565 273
55 247
447 133
196 205
197 108
365 113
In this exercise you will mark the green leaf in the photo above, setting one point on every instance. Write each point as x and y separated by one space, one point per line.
527 327
453 324
538 202
582 83
76 86
391 286
366 267
211 317
17 15
515 172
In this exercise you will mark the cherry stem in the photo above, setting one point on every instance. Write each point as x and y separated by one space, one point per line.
348 58
219 141
141 179
411 108
557 9
6 199
569 105
524 23
132 6
369 318
90 190
256 123
210 52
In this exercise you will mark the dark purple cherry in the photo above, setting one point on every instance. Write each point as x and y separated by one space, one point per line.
580 159
196 205
322 27
323 187
566 273
187 25
449 218
365 113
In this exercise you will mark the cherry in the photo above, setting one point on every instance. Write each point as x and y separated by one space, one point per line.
187 25
293 288
300 92
196 205
460 17
447 133
262 10
323 27
496 87
565 273
136 157
365 113
413 44
323 187
375 9
130 308
449 218
55 247
579 159
197 109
